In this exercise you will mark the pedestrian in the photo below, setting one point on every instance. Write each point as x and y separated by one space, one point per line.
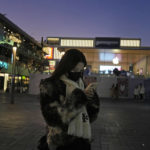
112 90
142 92
67 107
136 93
116 91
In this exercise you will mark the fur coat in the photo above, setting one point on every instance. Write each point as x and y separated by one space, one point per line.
58 114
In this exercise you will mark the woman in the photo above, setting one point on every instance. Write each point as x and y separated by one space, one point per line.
67 107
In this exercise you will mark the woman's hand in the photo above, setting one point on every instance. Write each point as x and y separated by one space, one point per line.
89 93
90 90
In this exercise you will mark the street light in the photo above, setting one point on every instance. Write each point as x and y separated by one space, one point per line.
14 50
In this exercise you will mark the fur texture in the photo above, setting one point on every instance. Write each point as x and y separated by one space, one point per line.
59 114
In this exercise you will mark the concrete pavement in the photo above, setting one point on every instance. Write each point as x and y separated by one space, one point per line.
21 124
121 125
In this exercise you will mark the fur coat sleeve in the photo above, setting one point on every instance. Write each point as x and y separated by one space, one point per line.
93 107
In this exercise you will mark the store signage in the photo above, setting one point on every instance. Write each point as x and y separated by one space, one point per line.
49 51
52 64
107 42
53 41
3 65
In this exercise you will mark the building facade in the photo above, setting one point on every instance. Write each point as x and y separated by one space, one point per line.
29 55
106 53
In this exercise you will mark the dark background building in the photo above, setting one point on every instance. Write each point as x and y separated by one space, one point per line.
29 55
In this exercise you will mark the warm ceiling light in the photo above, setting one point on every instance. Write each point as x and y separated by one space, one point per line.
115 60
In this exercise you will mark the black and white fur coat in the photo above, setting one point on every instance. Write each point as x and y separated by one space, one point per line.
58 114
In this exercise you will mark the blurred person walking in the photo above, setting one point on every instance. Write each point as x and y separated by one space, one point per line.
136 93
116 91
112 91
142 92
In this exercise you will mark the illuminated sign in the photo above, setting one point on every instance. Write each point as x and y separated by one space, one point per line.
49 51
58 54
115 60
107 42
77 42
52 65
3 65
130 43
109 56
53 41
108 69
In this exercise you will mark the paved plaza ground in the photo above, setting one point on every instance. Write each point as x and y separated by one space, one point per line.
121 125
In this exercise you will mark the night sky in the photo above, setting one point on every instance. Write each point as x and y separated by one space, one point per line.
81 18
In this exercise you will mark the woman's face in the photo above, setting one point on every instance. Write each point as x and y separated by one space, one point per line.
76 72
78 68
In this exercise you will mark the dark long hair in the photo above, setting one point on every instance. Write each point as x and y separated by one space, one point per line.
70 59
